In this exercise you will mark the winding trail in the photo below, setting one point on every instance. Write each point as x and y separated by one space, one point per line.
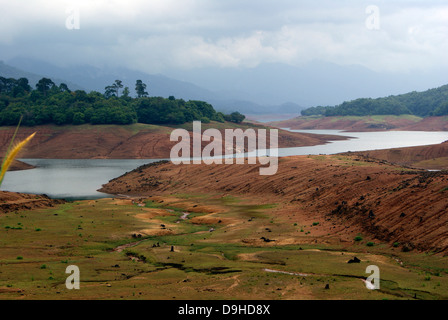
127 245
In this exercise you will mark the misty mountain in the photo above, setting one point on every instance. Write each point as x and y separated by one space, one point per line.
269 88
8 71
317 83
97 79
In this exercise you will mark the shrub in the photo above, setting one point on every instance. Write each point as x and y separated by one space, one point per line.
358 238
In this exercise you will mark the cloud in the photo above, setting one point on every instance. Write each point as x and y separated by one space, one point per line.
161 34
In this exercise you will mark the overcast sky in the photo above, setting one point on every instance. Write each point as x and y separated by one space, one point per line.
157 35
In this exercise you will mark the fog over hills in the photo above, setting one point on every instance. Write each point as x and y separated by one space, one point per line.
93 78
8 71
267 88
252 56
316 83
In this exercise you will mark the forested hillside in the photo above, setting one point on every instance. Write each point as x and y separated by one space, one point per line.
49 103
433 102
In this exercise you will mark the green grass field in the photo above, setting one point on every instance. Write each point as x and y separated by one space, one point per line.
217 254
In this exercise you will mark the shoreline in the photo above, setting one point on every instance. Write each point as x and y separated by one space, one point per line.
365 123
138 141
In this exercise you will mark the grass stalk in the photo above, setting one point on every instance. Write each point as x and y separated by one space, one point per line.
12 152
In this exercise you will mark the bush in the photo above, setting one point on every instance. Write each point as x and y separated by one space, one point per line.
205 120
358 238
370 244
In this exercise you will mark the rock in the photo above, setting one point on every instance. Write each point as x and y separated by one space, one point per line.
354 260
407 247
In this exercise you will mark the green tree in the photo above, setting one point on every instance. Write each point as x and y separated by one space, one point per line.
78 118
64 88
140 89
44 86
110 91
118 85
126 93
236 117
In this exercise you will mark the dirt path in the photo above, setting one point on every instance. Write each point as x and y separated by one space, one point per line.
126 246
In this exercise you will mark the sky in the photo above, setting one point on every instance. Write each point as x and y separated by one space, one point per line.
159 35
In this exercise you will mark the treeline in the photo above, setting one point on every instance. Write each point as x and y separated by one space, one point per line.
49 103
433 102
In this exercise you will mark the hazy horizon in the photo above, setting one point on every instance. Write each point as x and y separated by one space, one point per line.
399 46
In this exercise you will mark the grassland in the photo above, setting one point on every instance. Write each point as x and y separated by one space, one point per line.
190 246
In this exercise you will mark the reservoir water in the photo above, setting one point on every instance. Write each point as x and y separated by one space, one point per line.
363 141
69 179
79 179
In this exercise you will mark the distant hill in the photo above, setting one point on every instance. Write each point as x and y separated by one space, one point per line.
96 79
311 84
432 102
8 71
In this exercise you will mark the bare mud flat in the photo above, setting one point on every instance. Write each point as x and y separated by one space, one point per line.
365 124
137 141
433 157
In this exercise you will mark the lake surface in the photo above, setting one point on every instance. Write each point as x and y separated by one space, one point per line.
363 141
79 179
69 179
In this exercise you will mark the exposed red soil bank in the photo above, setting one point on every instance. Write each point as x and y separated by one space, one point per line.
434 157
362 124
137 141
347 195
20 165
13 201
